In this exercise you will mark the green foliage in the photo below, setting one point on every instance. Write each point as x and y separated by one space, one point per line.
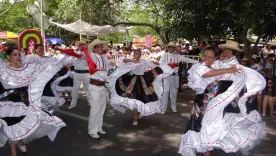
218 18
115 37
132 11
149 13
96 12
17 18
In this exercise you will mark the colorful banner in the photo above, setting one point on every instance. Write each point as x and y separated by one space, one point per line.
29 39
147 41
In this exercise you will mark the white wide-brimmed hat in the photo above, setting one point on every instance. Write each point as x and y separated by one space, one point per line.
78 43
96 42
157 48
171 44
230 45
255 57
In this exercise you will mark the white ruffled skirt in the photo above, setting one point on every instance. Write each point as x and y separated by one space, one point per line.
239 133
121 103
35 123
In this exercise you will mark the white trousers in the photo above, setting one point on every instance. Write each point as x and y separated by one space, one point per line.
98 104
77 80
171 84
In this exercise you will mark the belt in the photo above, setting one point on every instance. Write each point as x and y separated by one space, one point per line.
97 82
81 71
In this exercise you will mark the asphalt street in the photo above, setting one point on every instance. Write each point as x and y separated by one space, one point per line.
156 135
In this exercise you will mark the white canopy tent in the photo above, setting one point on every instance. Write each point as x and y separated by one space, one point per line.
84 28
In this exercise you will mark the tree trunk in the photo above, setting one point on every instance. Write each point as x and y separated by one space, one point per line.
266 24
167 38
246 42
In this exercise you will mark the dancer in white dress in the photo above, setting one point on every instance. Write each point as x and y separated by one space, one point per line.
230 131
137 85
24 119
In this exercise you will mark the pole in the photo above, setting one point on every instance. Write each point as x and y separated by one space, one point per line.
42 24
80 25
273 76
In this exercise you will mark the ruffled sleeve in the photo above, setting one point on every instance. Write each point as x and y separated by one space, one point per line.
2 64
195 80
150 64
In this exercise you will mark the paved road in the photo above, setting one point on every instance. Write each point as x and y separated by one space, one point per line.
157 135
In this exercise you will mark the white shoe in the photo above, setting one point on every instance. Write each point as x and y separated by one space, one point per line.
174 110
72 106
23 148
102 132
163 113
135 123
95 136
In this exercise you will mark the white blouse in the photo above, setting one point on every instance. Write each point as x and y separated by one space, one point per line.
67 60
16 78
141 67
195 79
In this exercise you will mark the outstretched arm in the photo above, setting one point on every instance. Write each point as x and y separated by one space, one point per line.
128 60
217 72
188 60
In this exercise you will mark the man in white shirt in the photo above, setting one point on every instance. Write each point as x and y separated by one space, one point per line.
255 63
80 76
228 56
97 88
171 83
157 53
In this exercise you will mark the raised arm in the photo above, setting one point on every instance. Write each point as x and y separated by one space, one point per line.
187 60
128 60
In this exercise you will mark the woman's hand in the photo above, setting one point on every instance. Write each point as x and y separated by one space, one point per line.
233 69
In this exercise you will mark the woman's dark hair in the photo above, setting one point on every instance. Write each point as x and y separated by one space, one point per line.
213 50
38 45
266 86
270 55
136 51
10 50
53 46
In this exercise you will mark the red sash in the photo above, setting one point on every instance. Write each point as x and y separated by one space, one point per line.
91 64
69 52
173 65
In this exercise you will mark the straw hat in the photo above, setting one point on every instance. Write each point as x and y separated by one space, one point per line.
96 42
171 44
230 45
245 59
78 43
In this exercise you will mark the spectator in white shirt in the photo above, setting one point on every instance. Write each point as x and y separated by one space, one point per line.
269 61
255 63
